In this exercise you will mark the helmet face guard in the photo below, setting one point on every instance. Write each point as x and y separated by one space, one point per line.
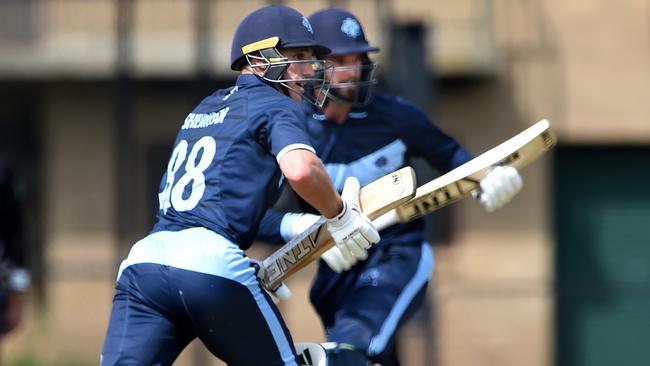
361 89
341 32
272 66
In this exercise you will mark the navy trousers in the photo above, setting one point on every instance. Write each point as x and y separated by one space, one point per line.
366 305
158 308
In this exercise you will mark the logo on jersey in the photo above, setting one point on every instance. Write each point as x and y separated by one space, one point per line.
351 27
319 117
306 24
370 278
371 166
381 161
230 93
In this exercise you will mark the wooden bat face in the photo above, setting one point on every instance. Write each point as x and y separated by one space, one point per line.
375 199
517 152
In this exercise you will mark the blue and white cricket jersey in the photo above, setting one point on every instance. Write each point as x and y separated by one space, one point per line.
381 138
366 305
223 172
374 141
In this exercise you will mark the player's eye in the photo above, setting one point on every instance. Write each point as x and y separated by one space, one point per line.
301 56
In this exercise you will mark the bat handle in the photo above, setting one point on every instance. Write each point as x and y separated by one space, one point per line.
388 219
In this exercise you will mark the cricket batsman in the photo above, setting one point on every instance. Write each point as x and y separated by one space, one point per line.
364 134
189 278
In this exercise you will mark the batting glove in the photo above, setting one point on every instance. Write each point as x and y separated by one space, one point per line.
352 231
340 262
499 186
293 224
280 293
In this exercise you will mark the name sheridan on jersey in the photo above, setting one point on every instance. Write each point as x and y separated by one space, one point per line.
201 120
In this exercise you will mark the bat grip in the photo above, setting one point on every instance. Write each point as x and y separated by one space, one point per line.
388 219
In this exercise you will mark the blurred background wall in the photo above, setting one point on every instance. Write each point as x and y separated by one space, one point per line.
93 92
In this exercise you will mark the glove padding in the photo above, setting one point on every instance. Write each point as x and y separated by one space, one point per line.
280 293
340 262
294 224
499 186
352 231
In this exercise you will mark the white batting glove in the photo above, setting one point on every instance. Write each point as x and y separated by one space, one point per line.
294 224
280 293
339 262
499 186
352 231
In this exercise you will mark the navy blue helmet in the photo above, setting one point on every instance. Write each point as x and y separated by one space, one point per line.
290 27
341 32
259 40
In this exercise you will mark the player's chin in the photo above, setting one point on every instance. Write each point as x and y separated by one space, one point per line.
295 96
299 87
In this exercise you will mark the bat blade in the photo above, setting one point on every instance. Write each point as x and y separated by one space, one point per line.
375 199
518 151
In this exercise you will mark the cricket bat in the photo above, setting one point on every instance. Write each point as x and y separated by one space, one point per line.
375 199
519 151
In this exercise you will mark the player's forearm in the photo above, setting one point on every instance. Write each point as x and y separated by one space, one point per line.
309 179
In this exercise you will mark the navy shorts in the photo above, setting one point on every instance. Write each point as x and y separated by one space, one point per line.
366 305
176 286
